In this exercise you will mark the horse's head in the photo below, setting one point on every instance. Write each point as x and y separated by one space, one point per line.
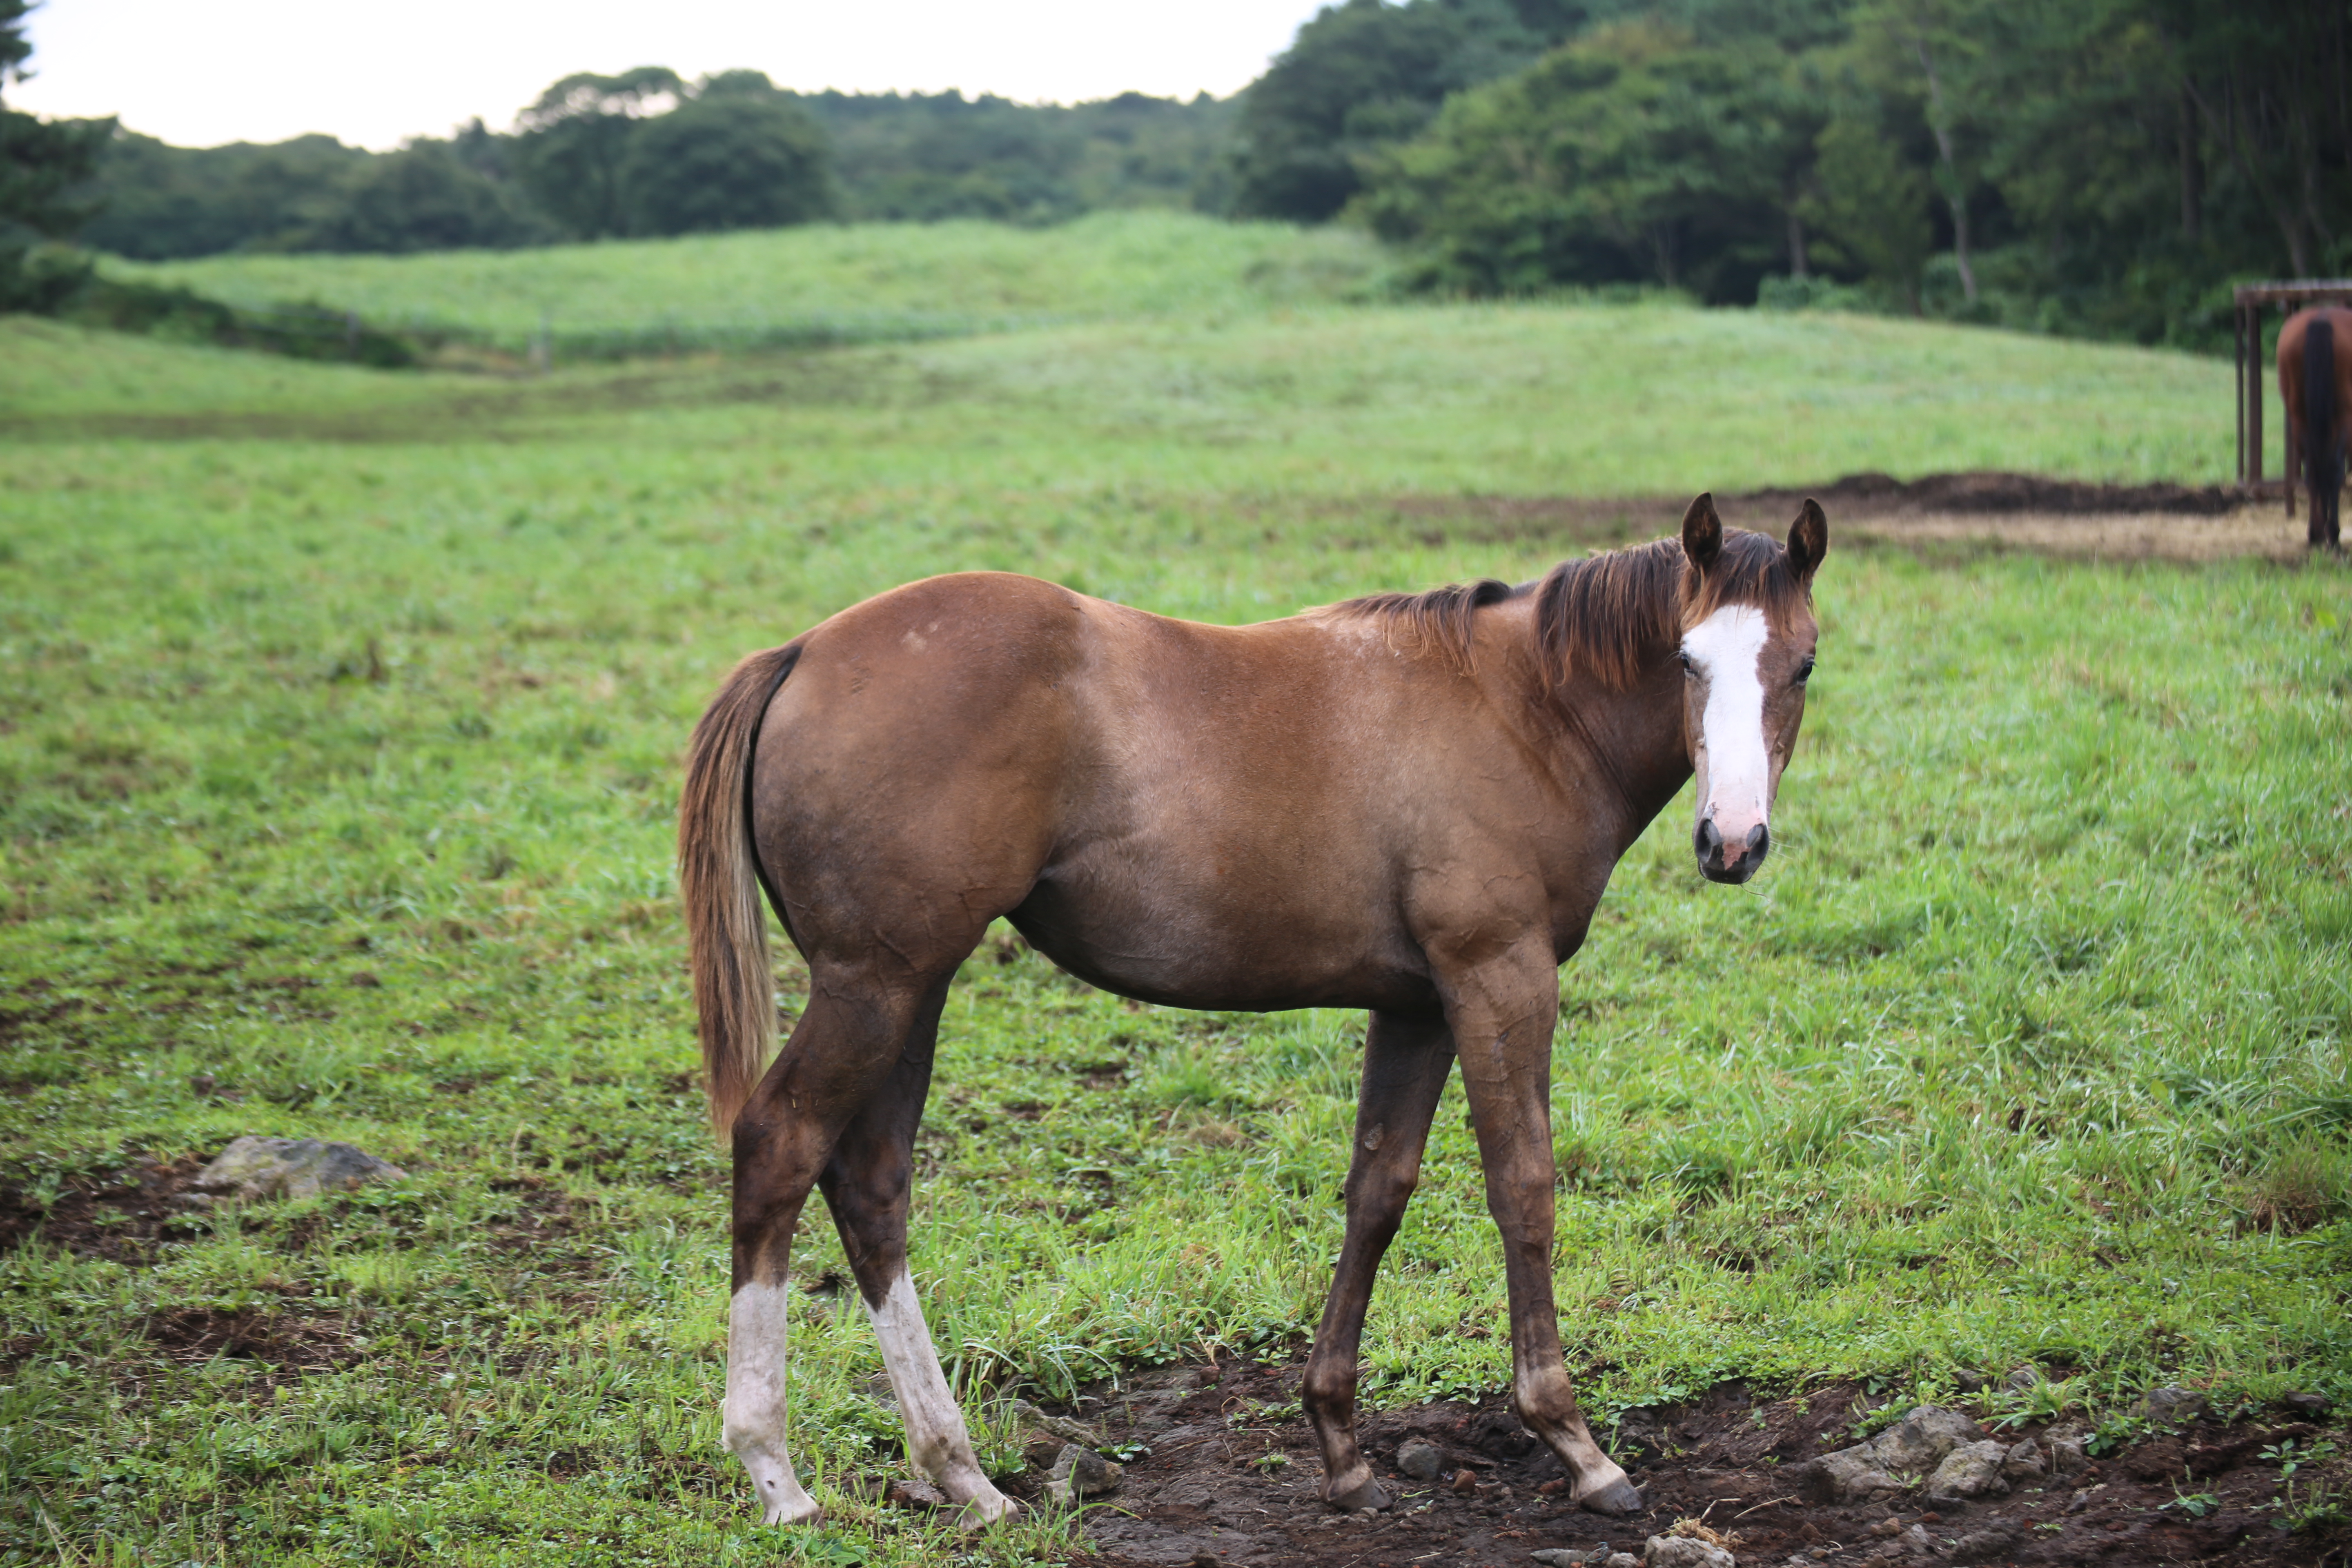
1746 651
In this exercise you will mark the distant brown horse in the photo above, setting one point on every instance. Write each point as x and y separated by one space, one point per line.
1409 803
2314 372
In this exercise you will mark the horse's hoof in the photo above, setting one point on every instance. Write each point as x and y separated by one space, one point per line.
981 1513
1618 1497
1365 1496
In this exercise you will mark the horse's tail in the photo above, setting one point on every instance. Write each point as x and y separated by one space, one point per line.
2323 454
719 881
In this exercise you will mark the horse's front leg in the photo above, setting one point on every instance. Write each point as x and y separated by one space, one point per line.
1405 1063
1503 1012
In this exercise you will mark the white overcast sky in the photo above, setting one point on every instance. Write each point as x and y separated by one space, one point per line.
260 70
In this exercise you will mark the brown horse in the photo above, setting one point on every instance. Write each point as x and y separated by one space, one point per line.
2314 372
1409 803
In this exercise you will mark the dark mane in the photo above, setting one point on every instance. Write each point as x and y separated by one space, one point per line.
1609 614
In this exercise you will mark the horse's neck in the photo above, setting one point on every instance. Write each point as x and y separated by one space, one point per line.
1629 746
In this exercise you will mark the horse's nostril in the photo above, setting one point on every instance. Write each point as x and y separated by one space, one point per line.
1759 839
1707 840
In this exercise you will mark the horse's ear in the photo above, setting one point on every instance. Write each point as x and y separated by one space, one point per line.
1702 531
1809 540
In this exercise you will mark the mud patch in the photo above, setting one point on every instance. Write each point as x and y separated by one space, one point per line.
272 1341
127 1218
1230 1477
2019 511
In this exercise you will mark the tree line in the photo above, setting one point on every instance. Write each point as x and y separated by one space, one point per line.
648 154
2094 166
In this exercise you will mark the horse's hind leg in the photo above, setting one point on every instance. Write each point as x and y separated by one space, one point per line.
1406 1061
866 1184
842 1051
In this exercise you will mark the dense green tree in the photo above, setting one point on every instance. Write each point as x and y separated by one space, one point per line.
427 196
163 201
1874 202
1632 153
731 159
46 169
1361 76
575 138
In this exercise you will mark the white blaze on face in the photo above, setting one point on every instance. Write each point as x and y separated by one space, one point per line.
1725 649
936 1437
753 1415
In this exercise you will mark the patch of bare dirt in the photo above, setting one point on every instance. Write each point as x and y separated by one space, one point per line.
1231 1472
126 1218
2019 511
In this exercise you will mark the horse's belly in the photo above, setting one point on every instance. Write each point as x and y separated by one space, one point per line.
1158 940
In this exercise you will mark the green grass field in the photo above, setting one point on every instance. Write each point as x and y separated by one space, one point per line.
869 280
339 736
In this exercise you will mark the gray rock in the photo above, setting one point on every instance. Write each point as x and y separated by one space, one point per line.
1622 1560
1419 1460
906 1493
1081 1473
2305 1403
1917 1541
1987 1545
1921 1439
1686 1552
2023 1464
1027 1417
1573 1556
1850 1475
1970 1471
254 1168
2024 1377
2171 1406
1916 1443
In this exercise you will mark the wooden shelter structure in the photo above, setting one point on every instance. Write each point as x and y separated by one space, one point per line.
2255 369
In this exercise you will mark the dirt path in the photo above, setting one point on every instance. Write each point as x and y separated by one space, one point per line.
2012 511
1230 1475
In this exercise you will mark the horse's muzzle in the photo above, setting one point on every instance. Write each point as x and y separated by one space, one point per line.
1724 860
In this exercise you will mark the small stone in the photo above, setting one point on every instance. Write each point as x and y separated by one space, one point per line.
2078 1502
1970 1471
1919 1541
2023 1464
2066 1455
1572 1556
1554 1487
1622 1560
906 1493
1081 1473
1921 1439
1987 1545
203 1084
1029 1417
1041 1451
254 1168
2171 1406
1686 1552
2305 1403
1847 1476
2024 1377
1465 1483
1970 1381
1419 1460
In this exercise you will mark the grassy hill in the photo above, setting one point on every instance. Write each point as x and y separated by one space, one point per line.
854 280
1528 399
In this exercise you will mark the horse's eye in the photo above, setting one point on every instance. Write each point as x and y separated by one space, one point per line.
1683 657
1805 671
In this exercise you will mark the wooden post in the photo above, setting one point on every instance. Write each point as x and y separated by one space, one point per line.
2254 396
2239 354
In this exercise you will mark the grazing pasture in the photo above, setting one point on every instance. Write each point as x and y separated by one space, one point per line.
340 723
